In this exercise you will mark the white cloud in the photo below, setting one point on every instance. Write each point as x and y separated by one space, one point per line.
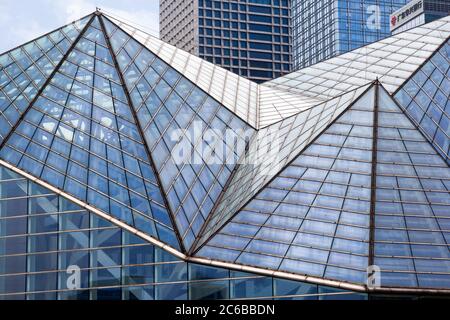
76 9
18 28
22 21
138 15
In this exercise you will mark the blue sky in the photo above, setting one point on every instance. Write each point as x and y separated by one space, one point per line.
24 20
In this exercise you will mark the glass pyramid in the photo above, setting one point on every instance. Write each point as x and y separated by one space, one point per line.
112 140
411 236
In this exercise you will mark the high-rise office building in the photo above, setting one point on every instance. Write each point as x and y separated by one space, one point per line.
251 38
332 182
323 29
418 12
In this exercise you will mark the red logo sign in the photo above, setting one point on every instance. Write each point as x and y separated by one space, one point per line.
394 20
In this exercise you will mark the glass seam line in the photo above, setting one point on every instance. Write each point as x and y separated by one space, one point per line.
402 86
414 167
211 234
417 125
47 81
138 126
254 139
374 176
170 65
204 227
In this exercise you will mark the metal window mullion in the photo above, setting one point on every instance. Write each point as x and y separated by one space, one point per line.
374 177
420 67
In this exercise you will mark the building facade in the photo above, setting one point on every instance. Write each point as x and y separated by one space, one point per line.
130 169
251 38
417 13
326 28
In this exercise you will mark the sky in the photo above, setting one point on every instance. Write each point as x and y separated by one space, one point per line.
24 20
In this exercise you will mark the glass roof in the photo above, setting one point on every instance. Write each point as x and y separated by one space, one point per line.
166 103
43 235
276 105
337 176
236 93
392 60
314 217
412 220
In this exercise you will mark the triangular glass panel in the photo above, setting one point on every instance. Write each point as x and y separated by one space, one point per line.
173 112
412 204
80 135
240 95
425 99
24 70
313 218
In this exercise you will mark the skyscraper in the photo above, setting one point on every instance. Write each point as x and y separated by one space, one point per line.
251 38
323 29
130 169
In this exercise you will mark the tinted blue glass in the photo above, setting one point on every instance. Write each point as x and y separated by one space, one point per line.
109 256
292 289
261 287
213 290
